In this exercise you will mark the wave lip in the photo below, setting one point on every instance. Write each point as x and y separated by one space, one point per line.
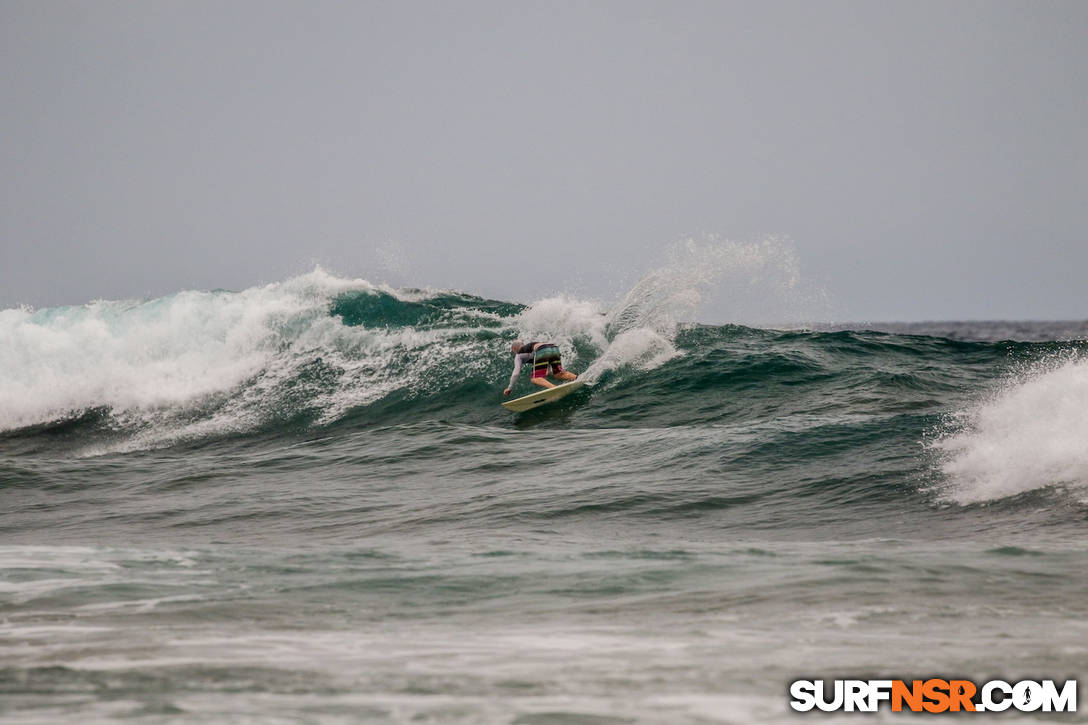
140 358
1031 434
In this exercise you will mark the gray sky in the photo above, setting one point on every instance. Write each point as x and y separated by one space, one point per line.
928 159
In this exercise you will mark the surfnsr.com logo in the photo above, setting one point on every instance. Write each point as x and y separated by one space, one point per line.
933 695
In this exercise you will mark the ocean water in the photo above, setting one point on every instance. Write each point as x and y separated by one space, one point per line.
301 502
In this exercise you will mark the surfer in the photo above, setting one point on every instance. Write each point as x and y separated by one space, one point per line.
542 355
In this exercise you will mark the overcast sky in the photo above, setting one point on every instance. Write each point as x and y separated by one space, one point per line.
927 159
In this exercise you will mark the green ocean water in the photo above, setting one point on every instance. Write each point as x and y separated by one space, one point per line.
302 503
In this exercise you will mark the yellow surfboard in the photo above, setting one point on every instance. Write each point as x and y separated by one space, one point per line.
542 397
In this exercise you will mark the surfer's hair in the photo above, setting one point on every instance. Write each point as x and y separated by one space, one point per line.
515 346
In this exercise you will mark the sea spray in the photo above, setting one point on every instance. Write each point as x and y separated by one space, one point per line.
748 281
1028 434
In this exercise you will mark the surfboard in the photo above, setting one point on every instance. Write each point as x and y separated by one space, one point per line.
548 395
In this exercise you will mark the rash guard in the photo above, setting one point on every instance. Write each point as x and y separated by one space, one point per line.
522 357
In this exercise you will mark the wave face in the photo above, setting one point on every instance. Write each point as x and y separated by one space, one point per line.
969 420
303 501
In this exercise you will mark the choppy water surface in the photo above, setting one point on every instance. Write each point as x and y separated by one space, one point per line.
303 502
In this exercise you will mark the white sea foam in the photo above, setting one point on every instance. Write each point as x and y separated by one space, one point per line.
147 361
1029 434
142 356
50 571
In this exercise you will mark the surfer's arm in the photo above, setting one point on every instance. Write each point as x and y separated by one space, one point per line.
514 376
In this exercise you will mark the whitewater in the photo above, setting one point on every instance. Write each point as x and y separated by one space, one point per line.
302 502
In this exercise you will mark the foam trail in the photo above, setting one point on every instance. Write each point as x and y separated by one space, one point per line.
1029 435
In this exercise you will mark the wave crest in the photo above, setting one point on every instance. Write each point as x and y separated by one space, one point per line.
1030 434
314 348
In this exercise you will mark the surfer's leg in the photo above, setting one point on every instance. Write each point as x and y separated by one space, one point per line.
560 373
539 375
